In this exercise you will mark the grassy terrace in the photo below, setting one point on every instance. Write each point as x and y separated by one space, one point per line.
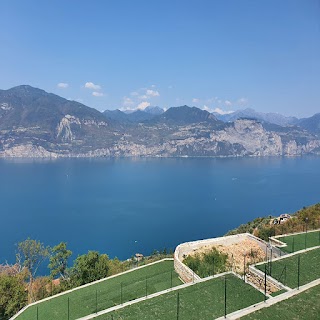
303 306
201 301
301 241
286 270
108 293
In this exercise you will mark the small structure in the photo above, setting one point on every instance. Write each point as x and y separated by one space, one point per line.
281 219
284 217
138 256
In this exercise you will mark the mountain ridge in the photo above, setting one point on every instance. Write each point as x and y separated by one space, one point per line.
34 123
271 117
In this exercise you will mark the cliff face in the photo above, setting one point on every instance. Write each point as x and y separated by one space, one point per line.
34 123
241 138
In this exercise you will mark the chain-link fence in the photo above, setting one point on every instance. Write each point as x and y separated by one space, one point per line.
207 300
301 241
97 297
296 270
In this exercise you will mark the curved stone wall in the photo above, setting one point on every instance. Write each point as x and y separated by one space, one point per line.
184 249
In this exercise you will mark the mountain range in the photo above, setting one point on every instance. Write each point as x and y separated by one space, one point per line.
311 124
274 118
34 123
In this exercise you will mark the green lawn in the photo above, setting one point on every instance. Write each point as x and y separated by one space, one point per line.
301 241
303 306
201 301
108 293
286 270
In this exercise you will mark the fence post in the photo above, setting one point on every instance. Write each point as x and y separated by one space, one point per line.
244 267
213 267
298 272
266 252
265 282
120 292
68 308
171 279
178 306
37 313
96 300
225 296
305 241
285 274
146 286
293 244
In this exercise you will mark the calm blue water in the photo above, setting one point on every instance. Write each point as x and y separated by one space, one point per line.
125 206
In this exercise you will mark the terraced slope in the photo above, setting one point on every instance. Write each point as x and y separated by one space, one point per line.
286 270
303 306
201 301
301 241
105 294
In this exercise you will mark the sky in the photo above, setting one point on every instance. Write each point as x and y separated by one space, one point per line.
218 55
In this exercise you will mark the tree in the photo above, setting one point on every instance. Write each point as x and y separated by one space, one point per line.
13 296
32 253
266 232
116 266
59 260
89 267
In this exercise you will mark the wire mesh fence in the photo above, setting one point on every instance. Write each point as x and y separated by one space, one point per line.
206 300
296 270
301 241
96 298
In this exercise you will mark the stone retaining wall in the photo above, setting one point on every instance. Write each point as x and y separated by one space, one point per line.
256 277
184 249
184 272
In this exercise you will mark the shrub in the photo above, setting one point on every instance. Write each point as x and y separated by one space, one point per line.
207 263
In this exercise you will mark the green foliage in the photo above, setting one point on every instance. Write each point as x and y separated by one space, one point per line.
307 217
13 296
32 253
41 288
208 263
251 226
59 260
117 266
89 267
266 232
312 214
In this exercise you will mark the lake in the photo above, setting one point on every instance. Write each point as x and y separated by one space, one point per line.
124 206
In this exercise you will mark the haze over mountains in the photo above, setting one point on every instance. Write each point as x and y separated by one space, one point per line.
34 123
274 118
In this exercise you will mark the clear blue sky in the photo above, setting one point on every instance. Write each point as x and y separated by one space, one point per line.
211 54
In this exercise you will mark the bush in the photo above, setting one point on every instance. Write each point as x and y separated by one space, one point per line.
208 263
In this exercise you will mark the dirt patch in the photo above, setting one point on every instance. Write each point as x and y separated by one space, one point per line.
240 254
